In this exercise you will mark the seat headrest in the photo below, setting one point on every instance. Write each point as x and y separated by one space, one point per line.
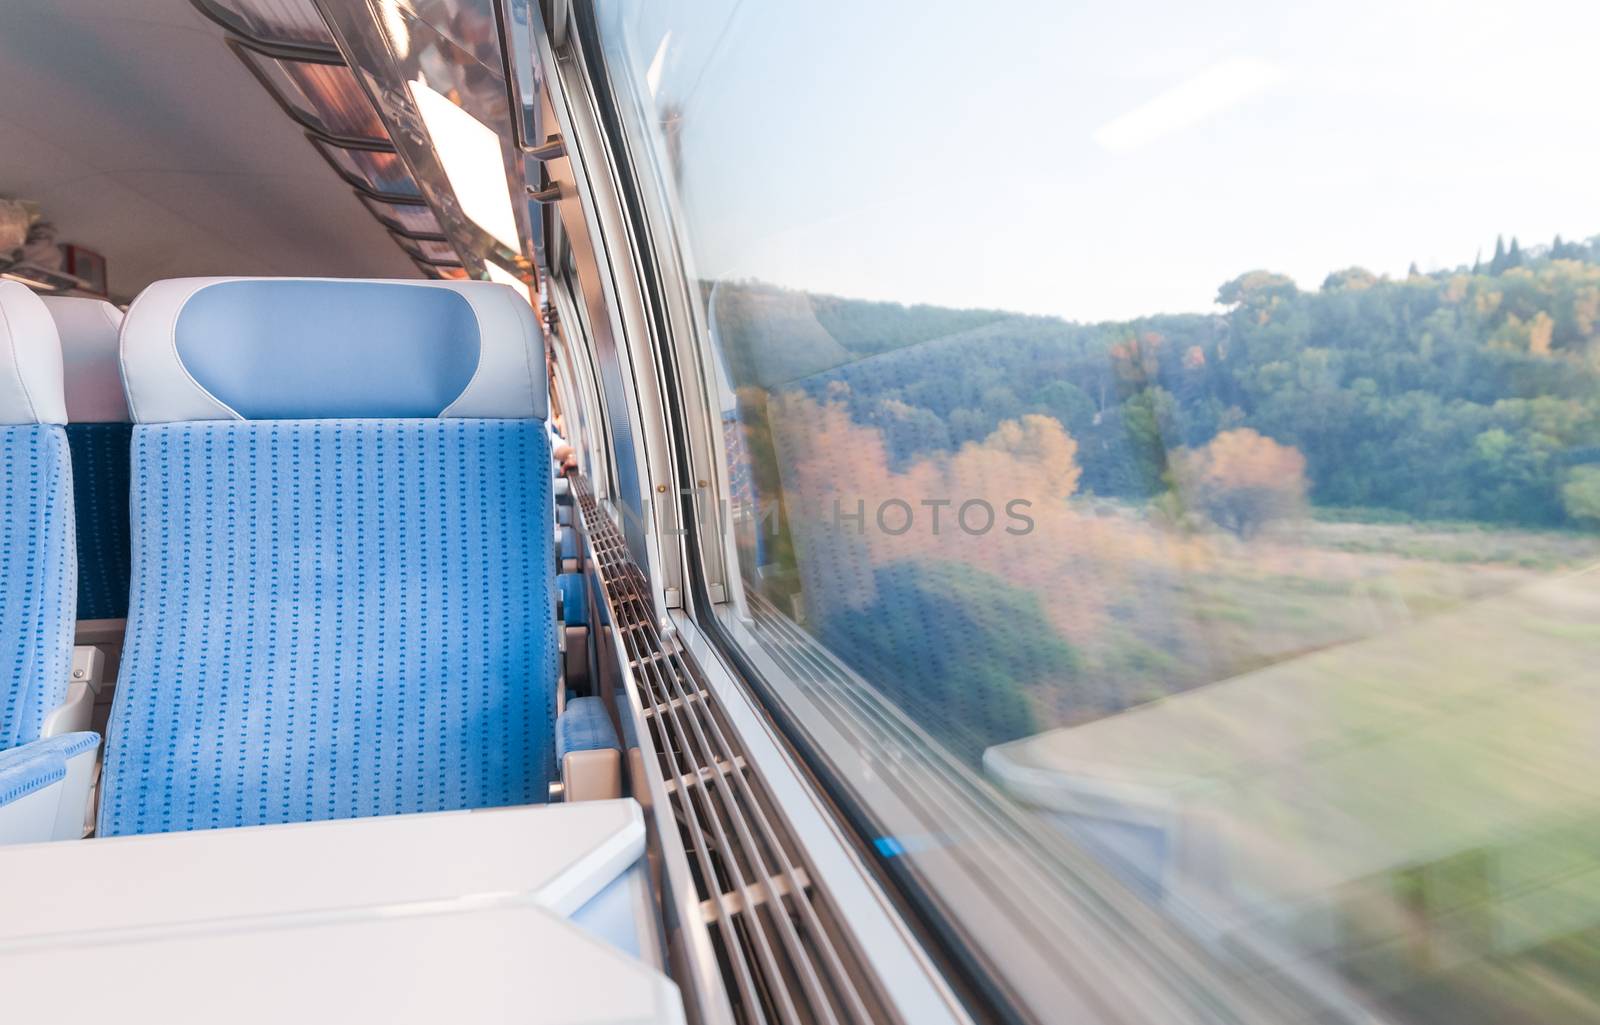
330 348
88 330
30 360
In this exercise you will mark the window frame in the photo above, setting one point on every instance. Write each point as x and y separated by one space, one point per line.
721 629
662 332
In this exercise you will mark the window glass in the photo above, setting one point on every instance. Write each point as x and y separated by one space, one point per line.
1189 415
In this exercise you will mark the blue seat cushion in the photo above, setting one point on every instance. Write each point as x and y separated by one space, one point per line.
333 619
38 577
584 725
574 603
100 487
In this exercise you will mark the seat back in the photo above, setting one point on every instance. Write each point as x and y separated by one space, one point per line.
342 599
99 430
38 562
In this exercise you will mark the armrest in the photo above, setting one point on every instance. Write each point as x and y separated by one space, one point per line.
588 750
568 550
44 788
76 713
30 794
576 660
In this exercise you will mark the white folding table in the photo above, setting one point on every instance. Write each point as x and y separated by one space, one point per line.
529 914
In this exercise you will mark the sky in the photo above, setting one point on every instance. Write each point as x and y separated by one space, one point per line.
1101 161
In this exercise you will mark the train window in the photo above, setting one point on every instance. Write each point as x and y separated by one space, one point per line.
1186 418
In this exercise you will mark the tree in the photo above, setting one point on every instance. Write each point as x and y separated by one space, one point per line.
1540 330
1389 388
1351 279
1257 288
1242 480
1069 404
1580 495
1563 250
1497 263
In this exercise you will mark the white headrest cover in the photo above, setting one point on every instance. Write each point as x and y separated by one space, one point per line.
30 360
88 329
293 348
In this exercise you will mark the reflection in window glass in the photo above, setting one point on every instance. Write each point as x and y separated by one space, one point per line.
1189 414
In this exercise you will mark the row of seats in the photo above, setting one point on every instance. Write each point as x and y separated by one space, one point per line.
341 593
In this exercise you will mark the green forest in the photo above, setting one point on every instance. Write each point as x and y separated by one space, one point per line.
1445 427
1464 394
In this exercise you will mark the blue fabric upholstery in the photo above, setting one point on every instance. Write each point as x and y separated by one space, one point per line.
333 619
574 603
584 725
100 487
28 768
67 745
290 349
38 577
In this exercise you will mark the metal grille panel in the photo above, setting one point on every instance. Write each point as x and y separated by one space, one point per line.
782 952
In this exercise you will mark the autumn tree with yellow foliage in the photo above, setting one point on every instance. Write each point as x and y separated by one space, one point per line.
1242 480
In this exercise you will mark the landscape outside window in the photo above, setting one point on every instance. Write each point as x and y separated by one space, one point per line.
1190 415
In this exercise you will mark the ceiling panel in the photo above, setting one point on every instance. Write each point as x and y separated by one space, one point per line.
146 140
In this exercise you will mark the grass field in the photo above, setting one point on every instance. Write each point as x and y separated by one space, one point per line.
1218 607
1402 792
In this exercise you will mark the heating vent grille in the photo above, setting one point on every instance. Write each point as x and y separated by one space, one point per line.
783 955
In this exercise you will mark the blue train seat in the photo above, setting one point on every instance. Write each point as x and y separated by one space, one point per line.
342 597
99 430
44 780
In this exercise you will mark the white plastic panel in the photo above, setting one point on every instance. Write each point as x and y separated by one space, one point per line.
449 964
558 855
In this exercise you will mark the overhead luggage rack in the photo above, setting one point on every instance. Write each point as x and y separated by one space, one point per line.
287 24
291 51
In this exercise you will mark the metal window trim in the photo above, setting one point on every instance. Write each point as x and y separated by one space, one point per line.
621 296
522 71
685 345
572 342
909 976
